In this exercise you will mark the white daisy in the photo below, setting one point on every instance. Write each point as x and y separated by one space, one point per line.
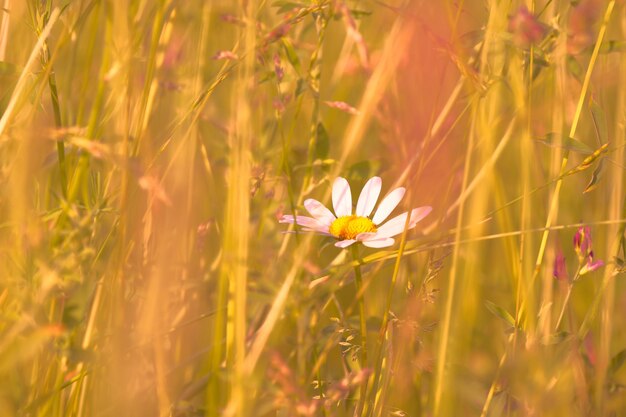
349 226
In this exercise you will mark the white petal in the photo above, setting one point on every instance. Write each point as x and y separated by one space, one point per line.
361 237
319 211
369 196
379 243
342 199
418 214
389 203
304 221
395 226
321 232
287 218
345 243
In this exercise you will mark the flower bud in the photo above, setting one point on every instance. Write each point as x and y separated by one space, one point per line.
560 267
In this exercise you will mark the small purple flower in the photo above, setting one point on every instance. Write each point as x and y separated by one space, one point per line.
560 267
591 265
526 29
582 246
582 242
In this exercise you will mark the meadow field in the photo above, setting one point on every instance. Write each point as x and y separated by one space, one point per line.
298 208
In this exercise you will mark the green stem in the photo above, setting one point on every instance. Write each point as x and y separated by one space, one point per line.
56 108
315 70
567 297
358 280
385 322
565 302
215 386
54 95
320 387
553 206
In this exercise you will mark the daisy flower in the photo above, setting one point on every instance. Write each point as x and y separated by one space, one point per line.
349 225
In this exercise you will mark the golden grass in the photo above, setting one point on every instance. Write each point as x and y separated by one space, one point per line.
148 149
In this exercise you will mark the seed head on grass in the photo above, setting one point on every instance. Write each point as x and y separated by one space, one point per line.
350 226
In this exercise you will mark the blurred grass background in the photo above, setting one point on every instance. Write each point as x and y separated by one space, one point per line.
148 149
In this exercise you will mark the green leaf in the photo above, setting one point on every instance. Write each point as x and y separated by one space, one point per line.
300 87
357 14
292 55
23 348
322 142
556 338
612 46
500 312
472 38
266 76
323 163
9 70
362 170
617 361
595 177
373 324
574 68
286 6
558 140
599 121
9 75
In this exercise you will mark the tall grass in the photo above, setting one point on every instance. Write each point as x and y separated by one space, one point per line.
149 148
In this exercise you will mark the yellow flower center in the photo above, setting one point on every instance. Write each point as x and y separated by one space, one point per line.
348 227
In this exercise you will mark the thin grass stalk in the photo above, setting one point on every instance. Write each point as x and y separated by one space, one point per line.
4 28
58 122
78 178
447 316
284 161
481 175
236 229
377 409
214 386
392 367
277 308
516 251
553 207
91 37
587 322
156 241
558 124
399 38
149 85
358 281
315 72
413 245
491 147
615 240
496 377
330 344
526 212
565 304
22 80
117 280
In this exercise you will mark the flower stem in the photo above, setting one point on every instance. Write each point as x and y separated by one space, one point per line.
358 280
567 296
565 302
378 356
